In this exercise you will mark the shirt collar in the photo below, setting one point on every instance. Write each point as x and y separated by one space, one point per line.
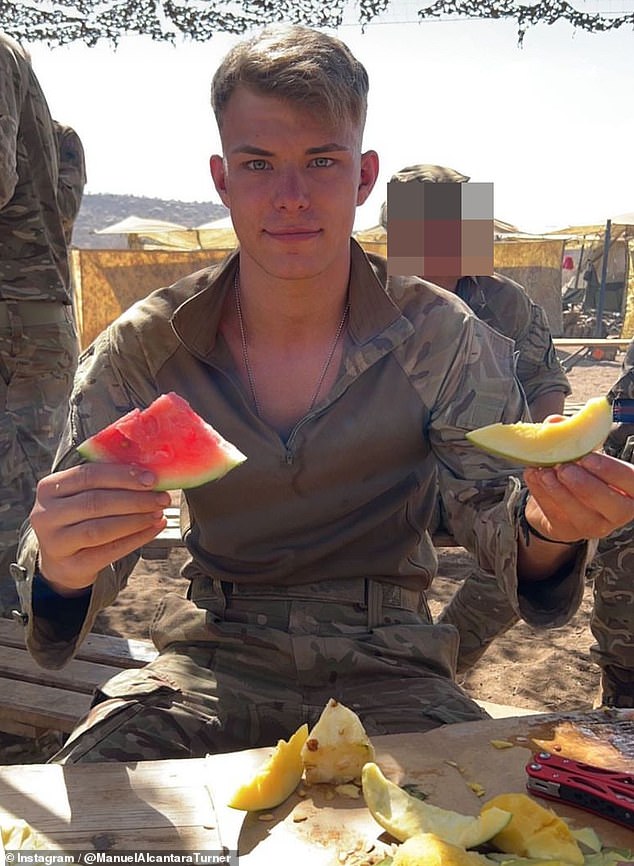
196 321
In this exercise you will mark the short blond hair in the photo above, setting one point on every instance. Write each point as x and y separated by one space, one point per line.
295 63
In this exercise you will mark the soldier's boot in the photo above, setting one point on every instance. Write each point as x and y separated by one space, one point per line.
617 688
481 613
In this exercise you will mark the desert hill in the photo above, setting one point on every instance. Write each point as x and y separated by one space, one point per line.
100 210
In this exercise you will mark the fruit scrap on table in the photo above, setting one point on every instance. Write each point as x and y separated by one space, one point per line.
17 835
534 831
337 747
334 751
276 779
404 816
526 833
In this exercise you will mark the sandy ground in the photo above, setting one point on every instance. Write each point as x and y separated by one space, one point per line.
542 670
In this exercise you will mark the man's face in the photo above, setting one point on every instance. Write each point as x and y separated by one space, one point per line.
438 230
292 183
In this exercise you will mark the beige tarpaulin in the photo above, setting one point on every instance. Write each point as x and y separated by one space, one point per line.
621 228
534 262
536 265
107 282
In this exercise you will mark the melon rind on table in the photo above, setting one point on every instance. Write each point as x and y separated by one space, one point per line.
404 816
169 439
547 444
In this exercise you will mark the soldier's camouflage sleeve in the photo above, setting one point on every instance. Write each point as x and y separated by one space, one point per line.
620 442
481 493
34 260
100 396
72 176
538 367
612 621
10 86
506 306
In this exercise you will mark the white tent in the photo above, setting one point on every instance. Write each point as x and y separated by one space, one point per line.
143 233
156 234
139 225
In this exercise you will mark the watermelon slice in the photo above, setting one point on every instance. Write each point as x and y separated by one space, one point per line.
170 440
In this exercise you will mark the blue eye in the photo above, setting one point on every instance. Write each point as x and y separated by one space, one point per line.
257 164
323 161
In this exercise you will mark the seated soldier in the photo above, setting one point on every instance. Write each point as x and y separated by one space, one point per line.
351 399
612 621
480 610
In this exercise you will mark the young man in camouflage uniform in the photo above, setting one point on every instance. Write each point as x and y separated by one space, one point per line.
480 610
612 621
38 340
309 562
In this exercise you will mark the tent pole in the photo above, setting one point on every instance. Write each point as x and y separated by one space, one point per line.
580 264
604 273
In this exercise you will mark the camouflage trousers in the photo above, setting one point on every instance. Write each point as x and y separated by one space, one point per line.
37 366
612 621
259 666
479 609
481 612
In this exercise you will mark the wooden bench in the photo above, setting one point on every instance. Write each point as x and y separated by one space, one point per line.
35 699
168 539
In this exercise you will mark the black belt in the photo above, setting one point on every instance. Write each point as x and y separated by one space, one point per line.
33 312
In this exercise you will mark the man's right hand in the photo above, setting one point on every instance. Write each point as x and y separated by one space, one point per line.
91 515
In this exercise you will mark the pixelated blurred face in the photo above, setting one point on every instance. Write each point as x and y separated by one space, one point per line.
292 183
442 230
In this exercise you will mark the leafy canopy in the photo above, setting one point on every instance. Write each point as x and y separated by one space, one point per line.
57 22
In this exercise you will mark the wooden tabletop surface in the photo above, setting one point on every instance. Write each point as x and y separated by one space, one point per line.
180 805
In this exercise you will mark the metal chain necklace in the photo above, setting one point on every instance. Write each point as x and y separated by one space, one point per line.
245 350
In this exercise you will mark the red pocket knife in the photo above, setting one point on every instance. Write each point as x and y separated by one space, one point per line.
607 793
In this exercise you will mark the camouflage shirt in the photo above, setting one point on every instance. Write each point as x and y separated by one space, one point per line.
505 305
33 253
349 494
624 388
72 176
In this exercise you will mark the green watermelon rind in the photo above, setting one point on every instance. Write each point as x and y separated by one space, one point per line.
234 458
227 455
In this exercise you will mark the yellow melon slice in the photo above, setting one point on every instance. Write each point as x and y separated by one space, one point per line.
534 831
426 849
16 834
276 779
404 816
546 444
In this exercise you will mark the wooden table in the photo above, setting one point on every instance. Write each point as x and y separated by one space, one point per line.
167 805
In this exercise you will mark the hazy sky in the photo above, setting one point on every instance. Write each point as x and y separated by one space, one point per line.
550 124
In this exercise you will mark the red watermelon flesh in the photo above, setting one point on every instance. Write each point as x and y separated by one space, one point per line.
169 439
